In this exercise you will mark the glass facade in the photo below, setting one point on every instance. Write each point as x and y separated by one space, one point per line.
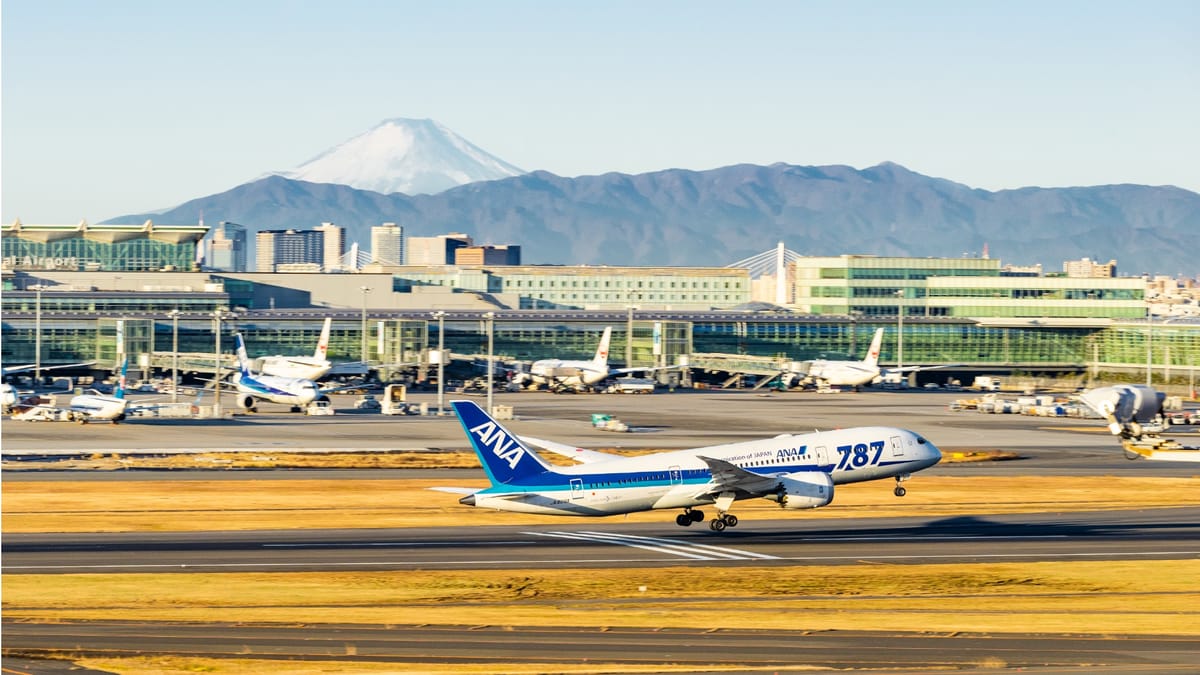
657 337
956 287
123 248
553 287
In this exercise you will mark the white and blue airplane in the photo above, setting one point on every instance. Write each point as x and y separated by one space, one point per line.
297 392
798 471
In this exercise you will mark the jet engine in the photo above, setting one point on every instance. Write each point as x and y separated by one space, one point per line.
803 490
246 402
1127 408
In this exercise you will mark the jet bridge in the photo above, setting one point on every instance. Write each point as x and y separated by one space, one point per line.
1135 414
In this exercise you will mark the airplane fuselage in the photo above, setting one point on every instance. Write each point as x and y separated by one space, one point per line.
560 373
678 479
843 373
275 389
300 367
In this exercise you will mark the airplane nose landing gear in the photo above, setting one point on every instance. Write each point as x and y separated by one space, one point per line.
900 491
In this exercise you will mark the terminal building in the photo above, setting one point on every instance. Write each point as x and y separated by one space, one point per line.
114 248
75 282
864 285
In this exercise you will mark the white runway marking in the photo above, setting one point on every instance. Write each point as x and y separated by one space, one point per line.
670 546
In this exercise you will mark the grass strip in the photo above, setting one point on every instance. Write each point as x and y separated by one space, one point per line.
156 505
1095 597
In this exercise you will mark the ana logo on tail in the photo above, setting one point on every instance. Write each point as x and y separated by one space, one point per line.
492 436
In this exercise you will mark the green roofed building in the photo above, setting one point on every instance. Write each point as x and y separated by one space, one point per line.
86 247
864 285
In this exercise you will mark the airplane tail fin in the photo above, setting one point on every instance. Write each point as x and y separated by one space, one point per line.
873 353
243 360
505 459
323 343
601 357
119 391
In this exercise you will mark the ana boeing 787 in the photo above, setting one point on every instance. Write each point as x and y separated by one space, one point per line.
798 471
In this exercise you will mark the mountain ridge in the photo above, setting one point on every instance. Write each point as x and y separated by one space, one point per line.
680 217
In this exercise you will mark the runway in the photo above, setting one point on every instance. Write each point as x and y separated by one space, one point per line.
753 650
1146 534
669 421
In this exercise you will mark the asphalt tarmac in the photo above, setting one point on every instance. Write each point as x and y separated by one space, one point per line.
754 650
1145 534
684 419
1046 446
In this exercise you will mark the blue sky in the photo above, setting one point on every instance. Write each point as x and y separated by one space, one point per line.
123 106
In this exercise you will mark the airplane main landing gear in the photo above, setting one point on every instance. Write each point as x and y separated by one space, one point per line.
688 517
723 521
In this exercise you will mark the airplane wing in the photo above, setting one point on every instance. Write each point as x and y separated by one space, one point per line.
578 454
727 477
645 369
913 369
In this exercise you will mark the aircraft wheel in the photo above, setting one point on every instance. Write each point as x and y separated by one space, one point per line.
716 525
683 520
696 516
899 491
730 520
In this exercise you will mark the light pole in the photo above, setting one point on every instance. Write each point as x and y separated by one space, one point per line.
490 316
900 330
441 317
217 316
630 296
174 314
365 290
37 335
1149 347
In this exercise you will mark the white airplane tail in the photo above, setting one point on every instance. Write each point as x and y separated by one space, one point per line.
873 353
323 343
601 357
119 390
243 360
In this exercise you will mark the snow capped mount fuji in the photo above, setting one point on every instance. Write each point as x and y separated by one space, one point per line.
404 155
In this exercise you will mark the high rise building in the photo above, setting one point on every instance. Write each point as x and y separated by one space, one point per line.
387 244
333 247
225 249
287 247
437 250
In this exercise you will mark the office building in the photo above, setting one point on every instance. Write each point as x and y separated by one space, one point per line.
225 249
437 250
387 244
1085 268
333 248
281 247
488 255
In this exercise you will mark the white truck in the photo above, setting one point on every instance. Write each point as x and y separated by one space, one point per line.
986 383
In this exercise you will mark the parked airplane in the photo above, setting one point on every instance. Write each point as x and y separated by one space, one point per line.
1134 413
10 395
828 373
305 367
297 392
91 406
797 471
562 375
